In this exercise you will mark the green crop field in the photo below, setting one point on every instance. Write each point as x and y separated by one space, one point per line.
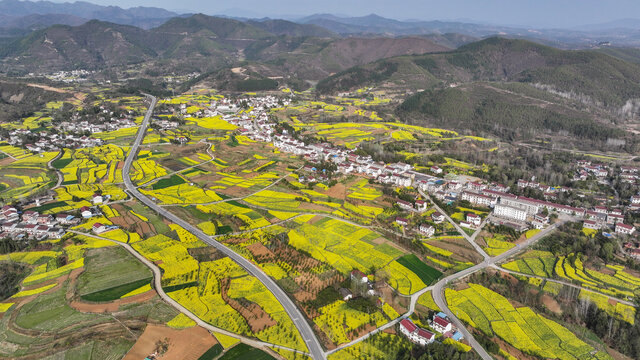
245 352
168 182
212 353
51 312
110 273
425 272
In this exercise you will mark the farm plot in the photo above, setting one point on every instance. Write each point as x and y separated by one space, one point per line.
249 218
26 176
111 273
497 244
520 327
534 262
184 193
224 295
613 281
339 321
343 246
426 273
363 191
178 265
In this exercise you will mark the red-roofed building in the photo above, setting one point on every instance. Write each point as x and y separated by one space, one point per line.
624 229
357 275
590 224
415 334
402 221
423 337
421 205
407 327
437 217
99 228
474 219
441 325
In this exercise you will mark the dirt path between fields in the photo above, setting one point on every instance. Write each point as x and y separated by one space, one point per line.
112 306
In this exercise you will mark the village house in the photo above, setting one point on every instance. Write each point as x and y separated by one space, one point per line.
474 219
86 212
415 334
624 229
421 205
427 230
437 217
590 224
97 199
441 324
359 276
99 228
478 199
402 221
405 205
345 294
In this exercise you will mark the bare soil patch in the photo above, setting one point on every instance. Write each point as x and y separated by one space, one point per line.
551 304
337 191
460 250
185 344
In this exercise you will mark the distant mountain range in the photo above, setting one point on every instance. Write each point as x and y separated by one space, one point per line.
204 43
21 17
32 14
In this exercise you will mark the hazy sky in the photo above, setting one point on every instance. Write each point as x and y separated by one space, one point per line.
540 13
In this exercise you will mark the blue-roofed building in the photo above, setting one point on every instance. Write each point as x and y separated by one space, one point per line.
457 336
442 315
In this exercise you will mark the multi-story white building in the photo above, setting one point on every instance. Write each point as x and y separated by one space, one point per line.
510 212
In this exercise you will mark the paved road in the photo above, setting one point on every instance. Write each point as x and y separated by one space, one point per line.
58 172
309 337
157 278
438 288
470 239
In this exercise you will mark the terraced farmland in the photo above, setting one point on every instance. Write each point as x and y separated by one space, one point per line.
521 327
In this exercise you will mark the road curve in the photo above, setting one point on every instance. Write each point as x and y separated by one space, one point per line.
438 288
157 279
309 337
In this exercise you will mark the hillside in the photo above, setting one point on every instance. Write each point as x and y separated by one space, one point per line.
593 76
220 27
203 44
19 100
288 28
315 58
511 111
87 46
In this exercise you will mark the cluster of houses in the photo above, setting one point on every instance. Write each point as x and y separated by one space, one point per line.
439 323
48 141
66 77
628 174
27 225
585 169
105 124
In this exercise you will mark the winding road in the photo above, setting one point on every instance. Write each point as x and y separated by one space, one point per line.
157 281
306 332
